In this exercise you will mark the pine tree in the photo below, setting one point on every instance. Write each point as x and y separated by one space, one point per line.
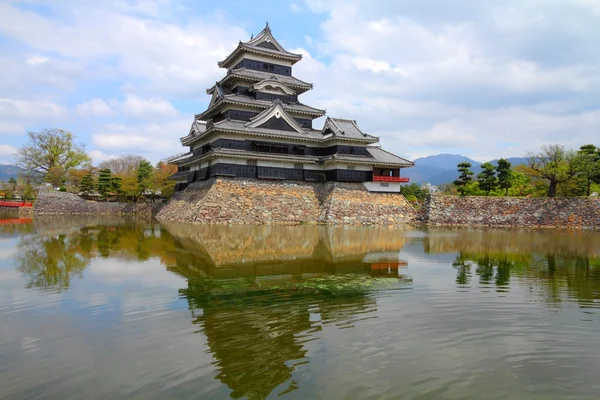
105 182
464 178
115 184
87 183
487 178
590 160
505 175
144 175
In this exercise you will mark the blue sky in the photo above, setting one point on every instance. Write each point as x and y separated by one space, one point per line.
482 78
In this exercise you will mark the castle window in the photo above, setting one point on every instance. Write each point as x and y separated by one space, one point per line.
299 166
252 163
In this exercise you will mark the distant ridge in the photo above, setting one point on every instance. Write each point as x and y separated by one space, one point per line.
8 171
441 168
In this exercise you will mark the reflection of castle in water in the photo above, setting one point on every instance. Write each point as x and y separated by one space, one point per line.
260 292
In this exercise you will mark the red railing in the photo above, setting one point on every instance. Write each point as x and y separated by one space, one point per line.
15 204
15 221
390 179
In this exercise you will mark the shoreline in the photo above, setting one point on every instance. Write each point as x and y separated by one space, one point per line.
236 201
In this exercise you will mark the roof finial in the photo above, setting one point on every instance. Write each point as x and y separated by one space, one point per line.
267 27
252 36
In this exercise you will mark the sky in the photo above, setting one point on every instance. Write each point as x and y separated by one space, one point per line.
485 79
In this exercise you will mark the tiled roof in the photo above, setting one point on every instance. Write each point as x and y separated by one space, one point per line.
251 101
261 75
378 157
385 157
180 158
271 51
197 129
256 154
245 47
179 175
240 126
298 107
345 128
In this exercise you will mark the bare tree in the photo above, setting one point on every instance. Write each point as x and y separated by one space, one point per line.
123 165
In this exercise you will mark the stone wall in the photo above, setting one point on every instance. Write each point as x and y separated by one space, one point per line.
352 203
251 201
50 202
557 213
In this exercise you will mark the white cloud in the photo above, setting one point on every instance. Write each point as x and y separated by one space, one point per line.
95 107
426 76
98 156
163 56
17 114
12 108
7 150
7 153
138 107
35 60
155 140
477 79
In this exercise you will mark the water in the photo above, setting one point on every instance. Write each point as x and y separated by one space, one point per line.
102 309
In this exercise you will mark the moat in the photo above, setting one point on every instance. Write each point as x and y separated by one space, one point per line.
102 308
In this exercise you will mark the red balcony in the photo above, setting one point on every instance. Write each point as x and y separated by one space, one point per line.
399 179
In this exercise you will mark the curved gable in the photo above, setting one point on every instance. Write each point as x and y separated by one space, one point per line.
275 117
273 85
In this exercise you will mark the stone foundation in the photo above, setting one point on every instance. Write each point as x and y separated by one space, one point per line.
251 201
351 203
511 212
50 202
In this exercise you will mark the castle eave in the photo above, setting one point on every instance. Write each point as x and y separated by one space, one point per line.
257 76
243 47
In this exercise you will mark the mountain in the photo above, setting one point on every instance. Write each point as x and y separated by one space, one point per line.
441 168
9 171
445 161
437 169
514 161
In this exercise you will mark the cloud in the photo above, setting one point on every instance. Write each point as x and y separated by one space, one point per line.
428 76
15 114
139 43
471 77
98 156
155 140
7 153
95 107
138 107
30 108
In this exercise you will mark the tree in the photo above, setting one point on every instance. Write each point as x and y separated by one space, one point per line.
51 149
9 188
555 164
418 192
144 175
123 165
87 183
464 177
521 182
105 182
487 178
161 182
56 176
590 166
505 175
